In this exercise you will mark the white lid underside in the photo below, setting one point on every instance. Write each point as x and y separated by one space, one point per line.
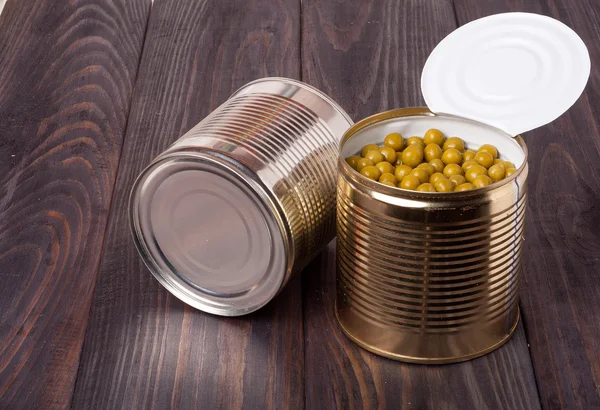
514 71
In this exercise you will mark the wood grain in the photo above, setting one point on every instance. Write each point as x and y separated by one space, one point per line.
144 348
67 70
368 56
561 281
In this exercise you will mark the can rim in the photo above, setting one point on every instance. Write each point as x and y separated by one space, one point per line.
402 193
166 278
300 84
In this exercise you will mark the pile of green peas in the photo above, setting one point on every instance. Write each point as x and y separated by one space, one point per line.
433 163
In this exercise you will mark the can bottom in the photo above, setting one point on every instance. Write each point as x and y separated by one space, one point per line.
207 231
427 360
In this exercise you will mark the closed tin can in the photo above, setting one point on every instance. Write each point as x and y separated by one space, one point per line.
239 204
429 277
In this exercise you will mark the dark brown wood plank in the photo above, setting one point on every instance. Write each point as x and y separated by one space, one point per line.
67 71
369 57
144 348
561 277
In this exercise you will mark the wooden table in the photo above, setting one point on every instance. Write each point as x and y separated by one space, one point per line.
92 90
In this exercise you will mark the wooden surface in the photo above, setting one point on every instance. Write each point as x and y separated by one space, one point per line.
68 71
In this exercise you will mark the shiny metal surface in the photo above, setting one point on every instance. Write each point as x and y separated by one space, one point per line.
244 200
427 277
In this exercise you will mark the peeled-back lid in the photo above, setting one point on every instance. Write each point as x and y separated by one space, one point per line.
514 71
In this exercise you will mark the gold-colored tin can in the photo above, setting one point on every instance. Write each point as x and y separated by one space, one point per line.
429 277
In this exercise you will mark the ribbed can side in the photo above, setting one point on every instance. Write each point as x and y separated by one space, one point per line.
432 278
296 153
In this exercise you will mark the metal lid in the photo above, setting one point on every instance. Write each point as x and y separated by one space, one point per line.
207 230
514 71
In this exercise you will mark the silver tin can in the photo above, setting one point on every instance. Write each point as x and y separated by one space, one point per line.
429 277
239 204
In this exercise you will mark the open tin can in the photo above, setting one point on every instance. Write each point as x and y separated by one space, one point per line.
239 204
432 277
429 277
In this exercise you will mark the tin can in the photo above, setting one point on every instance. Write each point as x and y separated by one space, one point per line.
239 204
429 277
